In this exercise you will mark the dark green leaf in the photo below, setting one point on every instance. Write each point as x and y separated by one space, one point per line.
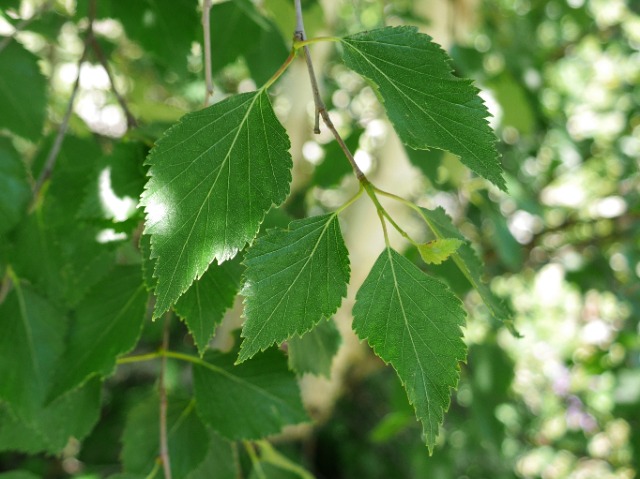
19 475
187 437
203 305
165 28
467 261
413 321
31 343
428 106
220 461
49 430
14 186
294 279
23 92
106 325
260 396
313 352
213 177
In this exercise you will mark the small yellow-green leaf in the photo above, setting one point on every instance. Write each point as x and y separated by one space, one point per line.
438 250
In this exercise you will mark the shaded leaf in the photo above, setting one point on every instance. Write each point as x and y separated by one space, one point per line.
23 92
203 305
468 262
106 325
220 461
335 166
15 191
188 439
313 352
294 279
413 321
51 426
439 250
213 177
260 397
31 343
428 106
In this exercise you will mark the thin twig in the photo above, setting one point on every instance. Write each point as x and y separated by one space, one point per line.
321 109
24 23
52 157
164 439
97 49
206 27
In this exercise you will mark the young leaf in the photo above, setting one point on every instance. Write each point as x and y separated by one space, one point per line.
213 177
413 321
187 437
23 92
107 324
31 343
203 305
294 279
428 106
468 262
313 352
14 186
260 396
439 250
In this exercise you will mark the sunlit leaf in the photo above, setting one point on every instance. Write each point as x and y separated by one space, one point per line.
294 279
428 106
413 321
439 250
213 177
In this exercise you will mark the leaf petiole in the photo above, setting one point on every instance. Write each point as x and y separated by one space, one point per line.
281 70
350 201
298 44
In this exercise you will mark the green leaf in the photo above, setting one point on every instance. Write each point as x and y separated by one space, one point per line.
294 279
214 175
23 92
188 439
220 461
313 352
428 106
203 305
260 397
106 325
14 186
468 262
439 250
31 343
19 475
413 321
165 28
72 415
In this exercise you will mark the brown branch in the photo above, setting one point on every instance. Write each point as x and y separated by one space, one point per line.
97 49
321 109
24 23
206 28
164 439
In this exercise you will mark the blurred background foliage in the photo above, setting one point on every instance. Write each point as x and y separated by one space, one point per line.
562 80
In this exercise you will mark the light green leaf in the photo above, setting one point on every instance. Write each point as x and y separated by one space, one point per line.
294 279
23 92
439 250
50 428
14 186
213 177
203 305
260 397
468 262
31 343
428 106
413 321
106 325
313 353
188 439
